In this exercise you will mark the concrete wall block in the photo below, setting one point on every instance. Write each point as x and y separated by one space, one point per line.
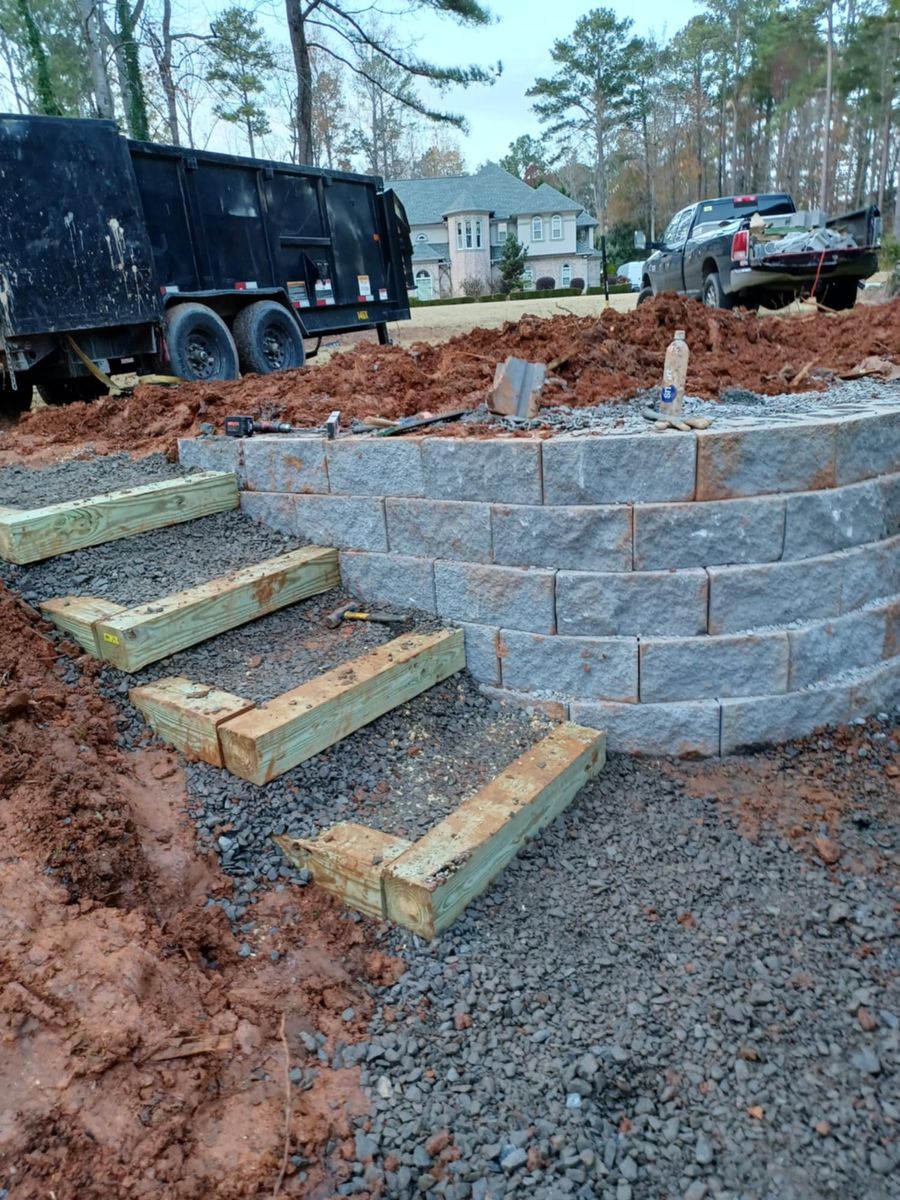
771 719
394 580
346 522
870 573
752 462
877 690
708 534
281 463
490 595
827 648
212 454
626 469
689 729
774 593
868 446
574 667
576 537
890 500
375 466
508 472
553 710
620 605
455 529
482 657
892 628
819 522
707 668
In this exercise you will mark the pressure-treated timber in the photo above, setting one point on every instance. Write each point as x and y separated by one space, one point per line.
348 860
265 743
77 615
137 636
426 885
187 715
27 535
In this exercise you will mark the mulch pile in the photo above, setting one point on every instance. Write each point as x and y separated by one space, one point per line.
610 357
143 1056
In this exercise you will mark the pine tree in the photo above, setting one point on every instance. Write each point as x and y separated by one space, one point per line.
241 56
512 266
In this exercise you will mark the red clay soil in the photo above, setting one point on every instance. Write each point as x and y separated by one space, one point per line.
141 1055
610 357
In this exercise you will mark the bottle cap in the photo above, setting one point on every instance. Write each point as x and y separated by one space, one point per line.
679 333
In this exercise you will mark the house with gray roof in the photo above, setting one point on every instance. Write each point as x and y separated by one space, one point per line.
459 225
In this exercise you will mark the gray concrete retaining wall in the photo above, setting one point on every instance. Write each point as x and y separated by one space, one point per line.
690 593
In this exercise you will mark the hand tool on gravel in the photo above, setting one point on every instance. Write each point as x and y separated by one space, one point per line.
244 427
349 613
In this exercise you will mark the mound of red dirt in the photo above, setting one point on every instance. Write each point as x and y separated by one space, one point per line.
609 357
142 1055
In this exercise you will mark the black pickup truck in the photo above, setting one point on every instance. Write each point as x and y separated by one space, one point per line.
759 251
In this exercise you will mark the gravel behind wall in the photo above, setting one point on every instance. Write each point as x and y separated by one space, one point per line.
135 570
77 479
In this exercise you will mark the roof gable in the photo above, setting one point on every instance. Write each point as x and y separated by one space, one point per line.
492 189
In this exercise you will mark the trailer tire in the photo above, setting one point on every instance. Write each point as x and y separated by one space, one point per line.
200 344
714 295
70 391
268 338
644 295
838 294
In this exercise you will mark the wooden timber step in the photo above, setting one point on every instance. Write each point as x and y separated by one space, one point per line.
261 743
130 638
425 885
264 743
30 534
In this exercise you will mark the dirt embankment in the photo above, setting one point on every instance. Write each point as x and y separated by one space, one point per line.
142 1055
609 357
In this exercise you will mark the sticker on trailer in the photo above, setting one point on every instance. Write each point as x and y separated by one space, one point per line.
364 288
362 315
382 294
245 285
297 293
324 293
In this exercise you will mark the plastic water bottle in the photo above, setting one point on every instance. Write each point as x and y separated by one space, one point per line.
671 398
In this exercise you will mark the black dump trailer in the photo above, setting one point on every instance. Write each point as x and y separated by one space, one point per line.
131 257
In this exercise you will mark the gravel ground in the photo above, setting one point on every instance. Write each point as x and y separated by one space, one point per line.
134 570
77 479
736 408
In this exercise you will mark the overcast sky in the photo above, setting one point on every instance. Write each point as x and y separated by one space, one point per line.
521 38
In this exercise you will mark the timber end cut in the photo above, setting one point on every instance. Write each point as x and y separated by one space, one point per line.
187 715
263 744
425 886
31 534
77 615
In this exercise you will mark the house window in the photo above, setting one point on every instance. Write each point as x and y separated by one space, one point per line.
537 229
501 231
421 237
468 234
556 228
565 275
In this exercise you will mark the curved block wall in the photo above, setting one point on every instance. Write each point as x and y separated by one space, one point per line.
688 593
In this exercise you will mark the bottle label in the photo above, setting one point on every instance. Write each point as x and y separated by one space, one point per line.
669 392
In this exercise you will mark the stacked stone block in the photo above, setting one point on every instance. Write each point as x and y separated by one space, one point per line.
691 594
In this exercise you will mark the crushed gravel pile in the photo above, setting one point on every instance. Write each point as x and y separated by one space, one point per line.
77 479
609 357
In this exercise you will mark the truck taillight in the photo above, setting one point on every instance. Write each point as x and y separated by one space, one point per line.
740 245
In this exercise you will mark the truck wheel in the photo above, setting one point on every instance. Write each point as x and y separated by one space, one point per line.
69 391
838 294
200 345
643 295
714 295
268 338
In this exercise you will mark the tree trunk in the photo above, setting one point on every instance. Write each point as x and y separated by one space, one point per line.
829 88
90 15
303 69
167 79
11 72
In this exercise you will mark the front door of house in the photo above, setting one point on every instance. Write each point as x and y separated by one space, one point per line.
424 285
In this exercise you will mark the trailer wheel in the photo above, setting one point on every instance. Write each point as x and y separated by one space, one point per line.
838 294
714 295
200 345
268 338
69 391
644 295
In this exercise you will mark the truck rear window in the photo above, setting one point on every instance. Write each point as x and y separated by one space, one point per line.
730 208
